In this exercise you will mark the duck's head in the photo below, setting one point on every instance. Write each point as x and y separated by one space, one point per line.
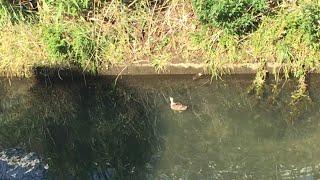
171 99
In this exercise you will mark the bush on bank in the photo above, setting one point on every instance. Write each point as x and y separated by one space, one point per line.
89 34
238 17
276 31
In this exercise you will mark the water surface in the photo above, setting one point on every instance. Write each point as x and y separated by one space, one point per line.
98 128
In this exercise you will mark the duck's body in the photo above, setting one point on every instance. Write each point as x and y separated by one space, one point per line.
176 106
197 76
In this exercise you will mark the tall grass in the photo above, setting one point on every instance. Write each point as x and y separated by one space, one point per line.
20 45
289 36
94 34
89 35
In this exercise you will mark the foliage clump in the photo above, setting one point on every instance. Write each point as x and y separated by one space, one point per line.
70 43
235 16
67 35
310 24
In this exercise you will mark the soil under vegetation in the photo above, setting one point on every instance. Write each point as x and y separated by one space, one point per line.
91 34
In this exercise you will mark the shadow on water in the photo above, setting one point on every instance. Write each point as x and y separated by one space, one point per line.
85 125
91 127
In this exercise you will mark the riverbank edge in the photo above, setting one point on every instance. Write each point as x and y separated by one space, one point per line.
193 68
174 69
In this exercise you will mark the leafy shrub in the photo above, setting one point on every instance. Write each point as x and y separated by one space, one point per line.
69 7
310 24
82 45
304 22
57 44
236 16
73 43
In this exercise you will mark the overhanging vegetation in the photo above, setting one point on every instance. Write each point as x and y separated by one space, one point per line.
89 34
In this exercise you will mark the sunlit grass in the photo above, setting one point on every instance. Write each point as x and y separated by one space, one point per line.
289 38
157 33
88 35
21 50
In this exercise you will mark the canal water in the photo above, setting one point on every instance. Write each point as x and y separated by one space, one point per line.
123 128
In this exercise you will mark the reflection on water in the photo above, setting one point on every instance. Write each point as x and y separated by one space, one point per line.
93 129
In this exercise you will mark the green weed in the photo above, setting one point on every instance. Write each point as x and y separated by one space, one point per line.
258 84
237 17
10 14
72 45
87 33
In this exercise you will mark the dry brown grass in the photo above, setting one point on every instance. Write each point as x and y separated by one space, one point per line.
157 34
21 49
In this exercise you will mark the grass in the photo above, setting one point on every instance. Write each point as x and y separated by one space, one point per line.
121 33
89 34
289 38
21 50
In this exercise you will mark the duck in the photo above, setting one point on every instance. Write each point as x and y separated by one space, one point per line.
176 106
197 76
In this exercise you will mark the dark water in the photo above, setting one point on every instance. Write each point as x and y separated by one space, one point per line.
88 128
